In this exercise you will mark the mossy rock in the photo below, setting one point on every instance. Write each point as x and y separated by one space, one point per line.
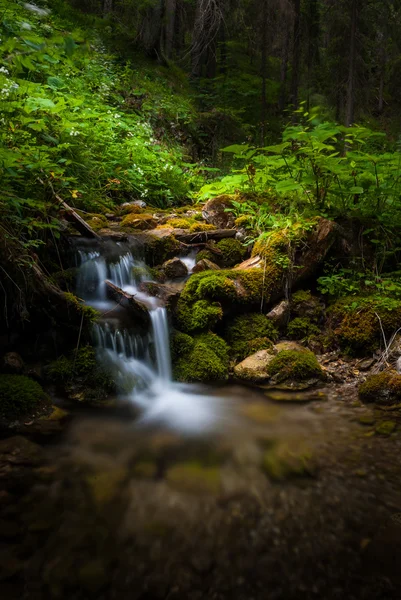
202 315
295 365
194 478
81 377
179 223
66 279
357 322
386 427
158 246
97 222
19 396
204 358
302 328
138 221
382 388
181 344
232 252
206 255
249 333
306 306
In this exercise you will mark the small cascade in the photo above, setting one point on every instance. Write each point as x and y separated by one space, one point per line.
141 363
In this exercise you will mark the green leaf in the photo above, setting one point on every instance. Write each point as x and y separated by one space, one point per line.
356 190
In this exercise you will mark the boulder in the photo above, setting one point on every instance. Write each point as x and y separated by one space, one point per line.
12 363
205 265
279 314
168 294
254 367
214 212
175 269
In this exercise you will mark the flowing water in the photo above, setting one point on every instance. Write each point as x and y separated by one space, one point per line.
141 363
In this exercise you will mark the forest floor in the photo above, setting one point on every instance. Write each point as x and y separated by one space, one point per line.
286 500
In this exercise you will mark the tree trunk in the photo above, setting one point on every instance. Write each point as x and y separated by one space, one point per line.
264 70
169 26
107 6
284 71
350 106
296 57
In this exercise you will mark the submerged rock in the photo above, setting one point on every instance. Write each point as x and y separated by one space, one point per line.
255 367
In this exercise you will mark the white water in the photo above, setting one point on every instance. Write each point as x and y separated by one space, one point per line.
142 363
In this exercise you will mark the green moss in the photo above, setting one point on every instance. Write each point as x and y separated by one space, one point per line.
243 221
179 223
305 305
181 344
201 227
232 251
301 328
97 222
137 219
65 279
248 333
157 250
382 388
199 316
140 273
80 376
87 312
205 254
19 396
295 365
355 322
301 297
206 361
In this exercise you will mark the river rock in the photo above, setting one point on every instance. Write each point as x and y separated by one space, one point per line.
254 367
214 212
286 345
279 314
175 269
205 265
12 363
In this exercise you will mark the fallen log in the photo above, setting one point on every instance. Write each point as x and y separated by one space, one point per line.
199 237
72 216
129 301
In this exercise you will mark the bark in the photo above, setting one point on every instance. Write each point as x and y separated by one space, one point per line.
107 6
296 53
264 70
169 27
350 105
284 71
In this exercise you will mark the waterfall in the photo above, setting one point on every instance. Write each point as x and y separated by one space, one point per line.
141 363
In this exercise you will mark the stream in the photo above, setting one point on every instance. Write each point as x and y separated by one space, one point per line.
201 492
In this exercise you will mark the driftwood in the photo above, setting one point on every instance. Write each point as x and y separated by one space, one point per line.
138 308
203 236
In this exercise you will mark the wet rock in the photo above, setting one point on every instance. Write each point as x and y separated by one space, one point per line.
279 314
167 293
175 269
12 363
366 364
205 265
254 368
286 460
386 427
297 397
214 212
280 346
192 477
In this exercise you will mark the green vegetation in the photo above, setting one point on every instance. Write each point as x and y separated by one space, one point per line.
203 358
80 377
249 333
302 328
295 365
19 396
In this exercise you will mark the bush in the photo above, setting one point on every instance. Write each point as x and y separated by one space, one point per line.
19 396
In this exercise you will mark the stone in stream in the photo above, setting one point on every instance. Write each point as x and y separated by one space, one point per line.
175 269
254 368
